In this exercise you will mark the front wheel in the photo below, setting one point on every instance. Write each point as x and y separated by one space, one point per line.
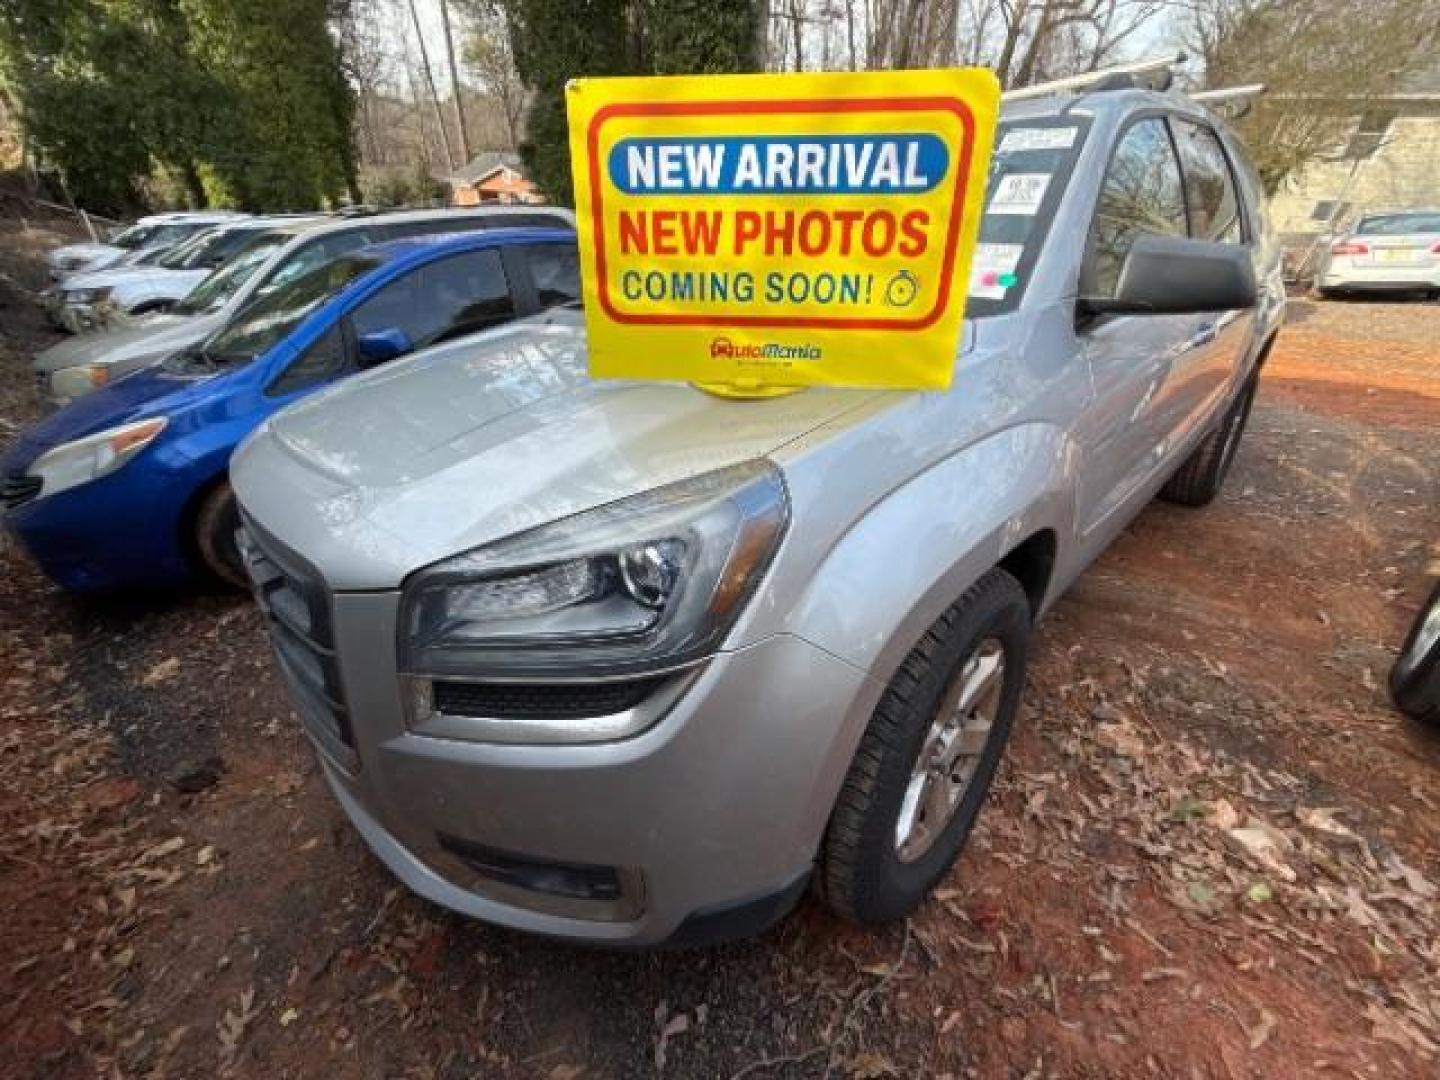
1200 477
1415 678
216 521
926 761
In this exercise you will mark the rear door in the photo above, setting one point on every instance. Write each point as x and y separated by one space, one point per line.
1130 356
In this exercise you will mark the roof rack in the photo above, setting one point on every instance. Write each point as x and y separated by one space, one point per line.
1231 101
1155 73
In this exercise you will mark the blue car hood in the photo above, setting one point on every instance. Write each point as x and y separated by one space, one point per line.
131 398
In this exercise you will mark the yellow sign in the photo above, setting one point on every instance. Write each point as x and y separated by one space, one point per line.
762 231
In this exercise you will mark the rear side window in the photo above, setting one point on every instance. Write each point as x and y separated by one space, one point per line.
555 269
1209 185
309 256
1399 224
1142 194
441 300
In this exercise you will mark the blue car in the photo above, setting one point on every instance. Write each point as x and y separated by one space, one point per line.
128 487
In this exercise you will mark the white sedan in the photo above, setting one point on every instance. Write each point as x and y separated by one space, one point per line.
1385 253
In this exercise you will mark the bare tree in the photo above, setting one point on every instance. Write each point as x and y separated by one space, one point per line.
487 56
430 83
1324 63
455 82
1023 40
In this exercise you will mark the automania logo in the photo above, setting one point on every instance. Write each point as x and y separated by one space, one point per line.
722 348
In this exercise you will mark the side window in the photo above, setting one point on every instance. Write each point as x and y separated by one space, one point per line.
1209 184
555 269
321 362
315 253
441 300
1141 194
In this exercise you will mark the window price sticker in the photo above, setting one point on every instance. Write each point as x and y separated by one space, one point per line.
1018 140
1019 193
993 270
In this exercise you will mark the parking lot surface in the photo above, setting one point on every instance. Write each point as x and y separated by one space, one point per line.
1214 850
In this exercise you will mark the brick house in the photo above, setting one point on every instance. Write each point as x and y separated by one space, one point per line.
492 177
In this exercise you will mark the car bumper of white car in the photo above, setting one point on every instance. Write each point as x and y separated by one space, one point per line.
1381 277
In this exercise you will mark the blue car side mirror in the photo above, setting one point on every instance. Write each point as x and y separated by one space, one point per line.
381 345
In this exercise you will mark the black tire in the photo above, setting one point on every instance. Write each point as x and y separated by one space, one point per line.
1202 475
861 874
216 520
1415 678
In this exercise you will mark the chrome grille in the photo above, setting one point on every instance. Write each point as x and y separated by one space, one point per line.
296 606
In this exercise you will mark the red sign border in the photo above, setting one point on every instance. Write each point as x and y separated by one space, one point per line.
825 105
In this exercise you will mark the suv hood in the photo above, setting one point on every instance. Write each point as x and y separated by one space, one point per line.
473 441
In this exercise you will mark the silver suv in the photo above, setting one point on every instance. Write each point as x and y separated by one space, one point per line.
629 663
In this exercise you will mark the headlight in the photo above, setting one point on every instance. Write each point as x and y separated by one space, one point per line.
86 296
74 463
643 584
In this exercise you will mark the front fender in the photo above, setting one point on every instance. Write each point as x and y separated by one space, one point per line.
911 556
915 552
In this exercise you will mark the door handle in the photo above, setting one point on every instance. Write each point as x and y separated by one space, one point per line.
1204 336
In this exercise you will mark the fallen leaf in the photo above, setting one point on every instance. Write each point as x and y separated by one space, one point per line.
1264 845
162 672
1258 893
1322 820
1261 1031
289 1016
871 1066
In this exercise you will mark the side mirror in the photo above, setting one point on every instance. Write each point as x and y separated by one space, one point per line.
380 346
1168 275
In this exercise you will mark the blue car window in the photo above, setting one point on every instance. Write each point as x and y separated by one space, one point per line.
443 299
322 361
555 269
267 320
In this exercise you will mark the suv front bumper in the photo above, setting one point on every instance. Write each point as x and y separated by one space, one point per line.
711 816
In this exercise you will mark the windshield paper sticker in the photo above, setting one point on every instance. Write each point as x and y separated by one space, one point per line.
780 230
1019 193
993 270
1018 140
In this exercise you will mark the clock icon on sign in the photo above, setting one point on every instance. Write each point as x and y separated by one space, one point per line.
902 289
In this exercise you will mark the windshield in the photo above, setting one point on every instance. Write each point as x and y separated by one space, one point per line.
265 321
1399 224
175 258
1029 169
132 237
225 282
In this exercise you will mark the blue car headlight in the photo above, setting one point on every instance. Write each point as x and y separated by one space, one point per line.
74 463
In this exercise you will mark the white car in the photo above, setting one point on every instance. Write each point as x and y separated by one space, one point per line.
149 231
143 286
74 368
1385 253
